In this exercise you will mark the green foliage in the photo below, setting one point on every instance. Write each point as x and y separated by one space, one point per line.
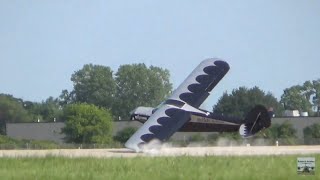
66 98
282 132
242 100
42 145
230 135
87 124
10 143
123 135
196 138
45 111
278 131
212 138
294 99
138 85
316 93
311 90
312 131
133 85
184 167
312 134
93 84
7 142
303 97
11 111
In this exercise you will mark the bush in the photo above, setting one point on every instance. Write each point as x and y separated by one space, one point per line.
87 124
212 138
123 135
10 143
312 134
230 135
196 138
281 131
284 133
36 144
312 131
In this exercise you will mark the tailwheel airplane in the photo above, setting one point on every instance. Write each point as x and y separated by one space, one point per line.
181 112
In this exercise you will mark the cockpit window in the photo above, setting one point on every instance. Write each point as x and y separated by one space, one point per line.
174 103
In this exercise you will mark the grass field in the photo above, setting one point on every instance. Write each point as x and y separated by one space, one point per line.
151 168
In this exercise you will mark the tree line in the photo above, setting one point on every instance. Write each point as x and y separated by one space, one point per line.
305 98
100 96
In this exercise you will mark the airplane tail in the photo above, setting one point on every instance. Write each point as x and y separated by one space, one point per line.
256 120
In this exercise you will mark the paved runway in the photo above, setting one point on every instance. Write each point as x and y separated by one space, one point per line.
171 151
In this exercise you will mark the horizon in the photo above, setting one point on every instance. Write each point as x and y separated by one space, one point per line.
272 45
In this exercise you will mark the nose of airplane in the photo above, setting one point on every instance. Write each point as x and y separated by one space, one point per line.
133 111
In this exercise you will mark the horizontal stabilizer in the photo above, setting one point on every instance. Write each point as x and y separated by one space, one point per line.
256 120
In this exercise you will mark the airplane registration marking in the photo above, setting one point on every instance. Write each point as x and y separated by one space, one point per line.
205 120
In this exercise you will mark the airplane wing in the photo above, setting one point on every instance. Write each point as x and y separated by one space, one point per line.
198 85
169 117
161 125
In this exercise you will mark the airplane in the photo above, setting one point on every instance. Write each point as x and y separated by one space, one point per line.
181 112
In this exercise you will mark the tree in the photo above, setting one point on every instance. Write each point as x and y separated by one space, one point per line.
313 91
87 123
123 135
138 85
66 97
134 85
93 84
312 131
297 98
303 98
51 109
11 111
242 100
316 97
47 111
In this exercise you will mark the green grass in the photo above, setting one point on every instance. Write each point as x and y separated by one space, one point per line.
151 168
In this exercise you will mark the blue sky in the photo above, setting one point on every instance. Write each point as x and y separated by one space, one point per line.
273 44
